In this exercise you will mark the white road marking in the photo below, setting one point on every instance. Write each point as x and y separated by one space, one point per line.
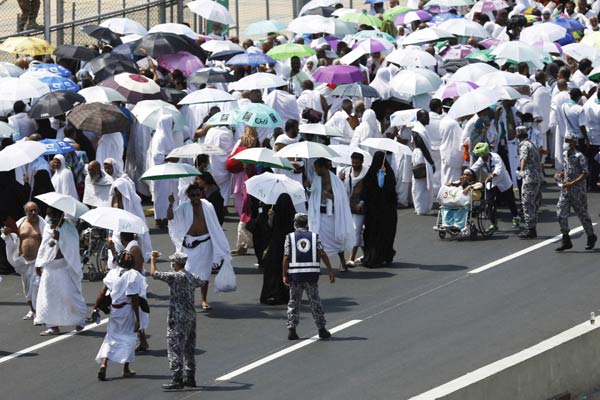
48 342
524 251
283 352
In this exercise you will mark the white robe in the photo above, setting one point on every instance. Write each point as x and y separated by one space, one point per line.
422 189
309 99
557 121
97 193
285 104
451 150
368 128
60 301
110 145
382 83
222 137
163 142
339 121
63 181
336 231
139 142
402 164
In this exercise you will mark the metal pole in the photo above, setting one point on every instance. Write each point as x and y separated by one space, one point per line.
237 18
162 12
268 9
47 21
99 10
60 11
73 25
148 15
179 11
124 7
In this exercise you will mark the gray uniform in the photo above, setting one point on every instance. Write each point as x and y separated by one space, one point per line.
181 322
532 182
574 196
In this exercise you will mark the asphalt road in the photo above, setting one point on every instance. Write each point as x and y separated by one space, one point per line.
425 320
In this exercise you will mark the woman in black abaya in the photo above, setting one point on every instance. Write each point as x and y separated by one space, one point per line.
274 291
379 197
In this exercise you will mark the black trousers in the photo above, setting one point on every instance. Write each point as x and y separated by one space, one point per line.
494 194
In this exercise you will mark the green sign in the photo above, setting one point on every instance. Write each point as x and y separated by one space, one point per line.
209 24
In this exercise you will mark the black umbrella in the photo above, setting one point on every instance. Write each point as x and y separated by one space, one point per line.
224 55
102 33
172 95
98 118
324 11
210 75
163 43
108 65
72 52
55 103
385 108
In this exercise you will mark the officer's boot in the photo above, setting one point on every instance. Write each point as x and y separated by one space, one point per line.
566 243
591 242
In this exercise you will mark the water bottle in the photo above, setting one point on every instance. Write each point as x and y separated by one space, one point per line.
329 207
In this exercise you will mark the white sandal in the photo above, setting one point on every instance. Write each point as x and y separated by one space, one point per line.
50 332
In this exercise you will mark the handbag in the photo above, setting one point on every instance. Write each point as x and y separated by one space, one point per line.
312 115
232 165
419 171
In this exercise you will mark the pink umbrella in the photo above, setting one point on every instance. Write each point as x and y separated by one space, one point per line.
454 89
489 43
183 61
457 52
489 6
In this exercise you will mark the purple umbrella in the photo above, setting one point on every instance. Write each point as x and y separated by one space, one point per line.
454 89
337 74
457 52
489 43
183 61
412 16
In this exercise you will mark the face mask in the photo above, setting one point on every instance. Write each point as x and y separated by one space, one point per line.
47 220
380 178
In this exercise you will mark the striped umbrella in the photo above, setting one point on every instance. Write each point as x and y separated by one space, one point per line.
98 118
412 16
457 52
454 89
133 87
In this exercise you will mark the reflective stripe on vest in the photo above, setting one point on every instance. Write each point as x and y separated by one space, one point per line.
301 262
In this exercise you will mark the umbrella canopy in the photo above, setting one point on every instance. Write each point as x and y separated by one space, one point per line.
320 130
163 43
484 55
426 35
13 89
375 34
307 150
259 80
64 203
250 59
210 75
259 116
169 171
185 62
124 26
374 45
115 219
9 69
416 81
579 51
27 45
207 95
215 46
356 90
404 118
6 130
549 47
224 55
471 72
570 24
101 94
267 187
362 18
319 24
98 118
411 57
55 103
223 118
489 6
290 50
148 113
473 102
192 150
172 95
384 108
394 11
54 146
108 65
52 68
383 144
450 3
59 83
102 33
454 89
464 27
591 39
457 52
212 11
544 32
264 157
178 29
503 78
20 153
133 87
263 27
345 151
338 74
412 16
315 4
517 51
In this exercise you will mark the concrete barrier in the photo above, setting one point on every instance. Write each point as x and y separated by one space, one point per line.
566 363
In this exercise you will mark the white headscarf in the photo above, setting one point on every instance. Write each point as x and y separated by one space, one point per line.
310 71
368 128
117 168
382 83
62 180
163 141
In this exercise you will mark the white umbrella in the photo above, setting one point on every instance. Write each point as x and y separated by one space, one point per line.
148 112
473 102
212 11
343 11
517 51
264 27
169 171
372 45
207 95
543 32
263 156
307 150
404 117
65 203
345 151
194 149
178 29
450 3
115 219
507 93
124 26
503 78
320 24
9 69
13 89
267 187
101 94
464 27
20 153
416 81
578 51
215 46
489 6
426 35
259 80
383 144
411 57
6 130
311 5
320 129
471 72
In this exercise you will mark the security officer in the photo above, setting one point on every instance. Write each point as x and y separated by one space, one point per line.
573 194
530 169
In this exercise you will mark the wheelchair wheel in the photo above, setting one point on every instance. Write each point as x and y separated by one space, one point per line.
487 220
472 230
442 234
102 260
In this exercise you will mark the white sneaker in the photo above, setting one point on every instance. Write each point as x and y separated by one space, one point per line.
28 316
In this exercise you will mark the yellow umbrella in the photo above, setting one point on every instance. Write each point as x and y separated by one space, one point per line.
31 46
592 39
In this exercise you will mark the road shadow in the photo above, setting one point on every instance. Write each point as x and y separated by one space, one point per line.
345 339
335 304
241 311
8 353
251 270
223 388
434 268
162 297
142 376
162 353
363 273
13 303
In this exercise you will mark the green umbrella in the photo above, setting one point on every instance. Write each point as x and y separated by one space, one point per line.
169 171
290 50
377 34
259 116
482 55
264 157
393 12
362 19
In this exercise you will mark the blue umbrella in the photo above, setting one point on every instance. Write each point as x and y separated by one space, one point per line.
54 146
250 59
569 24
567 40
52 68
444 17
59 83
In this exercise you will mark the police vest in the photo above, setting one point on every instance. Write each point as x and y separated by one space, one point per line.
304 256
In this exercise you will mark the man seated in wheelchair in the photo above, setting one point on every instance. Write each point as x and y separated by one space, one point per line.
456 197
